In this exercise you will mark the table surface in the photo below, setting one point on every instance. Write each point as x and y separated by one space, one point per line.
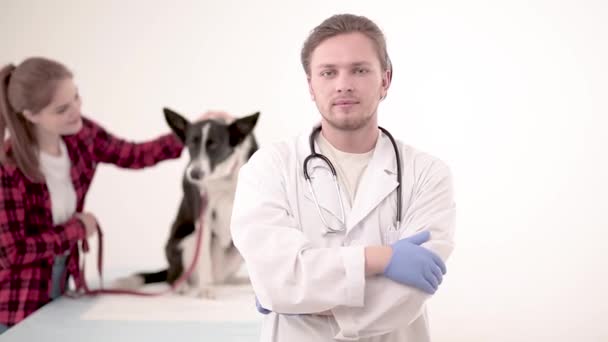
230 317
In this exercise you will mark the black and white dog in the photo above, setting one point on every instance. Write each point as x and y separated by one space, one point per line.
217 150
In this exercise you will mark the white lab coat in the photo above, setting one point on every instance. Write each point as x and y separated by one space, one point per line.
295 268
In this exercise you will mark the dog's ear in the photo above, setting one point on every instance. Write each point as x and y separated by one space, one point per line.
178 123
240 128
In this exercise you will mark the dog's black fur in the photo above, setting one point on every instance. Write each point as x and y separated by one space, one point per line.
214 147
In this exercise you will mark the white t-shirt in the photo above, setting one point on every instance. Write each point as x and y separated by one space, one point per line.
56 171
349 166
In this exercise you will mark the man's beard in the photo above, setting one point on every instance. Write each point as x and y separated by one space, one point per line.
348 124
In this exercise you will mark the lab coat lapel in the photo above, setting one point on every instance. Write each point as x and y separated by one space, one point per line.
378 181
323 183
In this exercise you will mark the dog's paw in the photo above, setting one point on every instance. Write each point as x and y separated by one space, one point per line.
206 293
129 283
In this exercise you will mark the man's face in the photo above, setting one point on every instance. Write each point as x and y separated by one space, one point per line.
347 81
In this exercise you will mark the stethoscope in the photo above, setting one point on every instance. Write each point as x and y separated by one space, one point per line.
314 154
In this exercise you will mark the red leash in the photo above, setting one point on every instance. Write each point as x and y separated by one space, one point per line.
80 280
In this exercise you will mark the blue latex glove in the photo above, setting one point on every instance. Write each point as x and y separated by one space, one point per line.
414 265
260 307
265 311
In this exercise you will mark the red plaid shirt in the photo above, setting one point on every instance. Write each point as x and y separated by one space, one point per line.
29 241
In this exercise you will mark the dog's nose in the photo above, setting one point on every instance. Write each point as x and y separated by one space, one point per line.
196 174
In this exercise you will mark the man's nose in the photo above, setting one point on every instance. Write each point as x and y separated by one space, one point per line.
344 83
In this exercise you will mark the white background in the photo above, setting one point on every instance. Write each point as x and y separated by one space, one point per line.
511 94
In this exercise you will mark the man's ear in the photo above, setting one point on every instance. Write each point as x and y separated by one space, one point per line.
387 76
240 128
178 123
310 91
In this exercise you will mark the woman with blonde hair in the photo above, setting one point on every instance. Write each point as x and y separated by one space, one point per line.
47 164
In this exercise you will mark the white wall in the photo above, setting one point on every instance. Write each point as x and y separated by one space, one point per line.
511 94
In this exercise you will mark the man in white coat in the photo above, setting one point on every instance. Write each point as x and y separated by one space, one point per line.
348 263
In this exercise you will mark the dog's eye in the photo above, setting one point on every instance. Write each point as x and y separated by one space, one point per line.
196 139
